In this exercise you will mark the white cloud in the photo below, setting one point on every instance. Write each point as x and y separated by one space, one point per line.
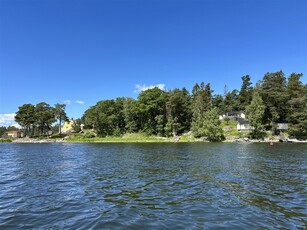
67 102
79 102
8 120
142 87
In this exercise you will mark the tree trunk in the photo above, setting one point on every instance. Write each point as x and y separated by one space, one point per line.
60 125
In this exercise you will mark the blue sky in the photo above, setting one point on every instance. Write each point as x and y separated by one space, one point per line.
80 52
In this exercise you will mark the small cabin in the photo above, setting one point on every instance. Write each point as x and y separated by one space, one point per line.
243 125
14 133
282 125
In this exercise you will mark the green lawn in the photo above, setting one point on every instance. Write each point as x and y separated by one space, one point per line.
128 137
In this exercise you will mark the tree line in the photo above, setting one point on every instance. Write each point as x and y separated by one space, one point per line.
170 113
37 120
162 113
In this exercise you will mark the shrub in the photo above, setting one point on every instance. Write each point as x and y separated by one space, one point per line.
89 135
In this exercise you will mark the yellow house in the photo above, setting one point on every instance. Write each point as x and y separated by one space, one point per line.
14 133
68 126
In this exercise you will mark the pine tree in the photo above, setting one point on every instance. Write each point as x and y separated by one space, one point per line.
273 90
255 115
297 115
178 112
212 128
201 104
245 95
60 114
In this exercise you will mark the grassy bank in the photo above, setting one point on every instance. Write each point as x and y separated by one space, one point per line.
3 140
129 137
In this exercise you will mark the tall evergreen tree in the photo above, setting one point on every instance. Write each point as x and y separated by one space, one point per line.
245 95
202 102
26 117
297 115
231 101
60 114
255 114
178 110
212 128
218 102
45 116
273 90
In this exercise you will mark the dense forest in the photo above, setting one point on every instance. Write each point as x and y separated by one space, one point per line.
157 112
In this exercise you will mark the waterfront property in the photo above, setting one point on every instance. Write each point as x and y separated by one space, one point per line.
282 125
243 125
14 133
233 115
68 126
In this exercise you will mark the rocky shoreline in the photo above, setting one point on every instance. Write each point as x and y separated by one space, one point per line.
36 140
228 140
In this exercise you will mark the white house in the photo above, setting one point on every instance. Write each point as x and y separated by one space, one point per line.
233 115
243 126
282 125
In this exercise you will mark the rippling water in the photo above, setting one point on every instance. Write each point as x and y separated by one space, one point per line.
153 186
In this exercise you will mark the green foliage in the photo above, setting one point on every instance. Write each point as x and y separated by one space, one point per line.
58 135
227 119
273 90
2 131
231 101
132 116
218 102
3 140
178 110
297 115
26 117
202 102
152 104
246 93
60 114
255 115
45 116
212 128
77 125
159 113
89 135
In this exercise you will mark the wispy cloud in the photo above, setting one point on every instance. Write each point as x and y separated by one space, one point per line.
79 102
8 119
67 102
142 87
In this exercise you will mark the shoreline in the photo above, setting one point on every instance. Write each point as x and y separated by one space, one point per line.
149 140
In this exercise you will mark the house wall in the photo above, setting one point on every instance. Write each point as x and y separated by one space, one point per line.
243 127
282 126
67 126
14 135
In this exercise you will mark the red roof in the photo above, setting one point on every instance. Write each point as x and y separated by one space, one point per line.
13 131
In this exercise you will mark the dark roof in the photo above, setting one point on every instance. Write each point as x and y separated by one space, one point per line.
242 121
281 122
13 131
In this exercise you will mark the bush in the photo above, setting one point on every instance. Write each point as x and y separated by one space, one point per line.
2 140
89 135
54 136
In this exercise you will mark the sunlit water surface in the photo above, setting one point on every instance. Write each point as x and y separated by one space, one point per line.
153 186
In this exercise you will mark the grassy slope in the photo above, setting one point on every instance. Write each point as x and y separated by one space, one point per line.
129 137
230 131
